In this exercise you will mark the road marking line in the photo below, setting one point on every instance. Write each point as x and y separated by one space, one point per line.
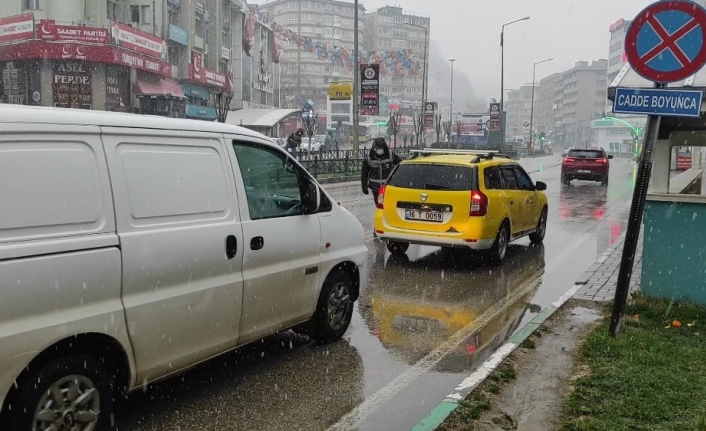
387 392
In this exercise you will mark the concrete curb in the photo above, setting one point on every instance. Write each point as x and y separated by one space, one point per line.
586 276
451 402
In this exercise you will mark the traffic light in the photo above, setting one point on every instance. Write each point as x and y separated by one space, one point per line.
542 137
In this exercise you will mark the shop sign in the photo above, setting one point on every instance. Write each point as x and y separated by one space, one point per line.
178 35
225 53
137 40
340 90
198 73
369 89
92 53
71 84
264 83
49 30
429 111
200 9
18 27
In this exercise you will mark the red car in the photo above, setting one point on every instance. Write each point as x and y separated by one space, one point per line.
590 164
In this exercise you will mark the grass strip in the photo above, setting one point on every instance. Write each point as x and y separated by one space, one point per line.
652 377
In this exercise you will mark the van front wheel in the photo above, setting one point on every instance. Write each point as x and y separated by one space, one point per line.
69 393
335 308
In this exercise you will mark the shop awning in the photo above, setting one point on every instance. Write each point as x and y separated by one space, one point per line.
258 117
158 87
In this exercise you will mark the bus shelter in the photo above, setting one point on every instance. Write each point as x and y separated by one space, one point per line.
674 218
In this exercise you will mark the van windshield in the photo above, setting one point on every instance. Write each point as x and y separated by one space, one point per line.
424 176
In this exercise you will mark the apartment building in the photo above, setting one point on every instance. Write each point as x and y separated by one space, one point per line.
568 101
518 107
328 28
160 57
389 29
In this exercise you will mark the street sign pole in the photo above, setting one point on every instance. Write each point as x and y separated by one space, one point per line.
632 234
664 43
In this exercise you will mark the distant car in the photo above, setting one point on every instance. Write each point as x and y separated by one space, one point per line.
460 199
588 164
280 142
314 147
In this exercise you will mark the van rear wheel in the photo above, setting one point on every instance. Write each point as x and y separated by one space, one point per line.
70 393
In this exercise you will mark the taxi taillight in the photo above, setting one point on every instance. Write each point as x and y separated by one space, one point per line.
381 198
479 204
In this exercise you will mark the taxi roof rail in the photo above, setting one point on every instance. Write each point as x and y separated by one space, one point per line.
479 154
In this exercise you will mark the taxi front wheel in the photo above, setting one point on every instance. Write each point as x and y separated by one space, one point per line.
397 247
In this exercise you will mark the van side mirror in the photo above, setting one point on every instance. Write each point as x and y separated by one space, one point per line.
540 186
312 197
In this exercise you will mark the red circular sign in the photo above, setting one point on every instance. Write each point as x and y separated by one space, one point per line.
644 61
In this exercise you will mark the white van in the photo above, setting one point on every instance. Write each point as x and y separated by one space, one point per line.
134 247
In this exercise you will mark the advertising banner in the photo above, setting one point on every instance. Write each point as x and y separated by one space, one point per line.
429 111
494 124
137 40
369 89
49 30
198 73
18 27
340 90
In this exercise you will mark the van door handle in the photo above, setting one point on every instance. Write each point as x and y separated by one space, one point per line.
257 243
231 246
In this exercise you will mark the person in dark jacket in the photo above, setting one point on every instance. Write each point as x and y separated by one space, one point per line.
294 141
377 167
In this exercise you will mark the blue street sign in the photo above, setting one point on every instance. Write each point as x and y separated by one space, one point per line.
668 103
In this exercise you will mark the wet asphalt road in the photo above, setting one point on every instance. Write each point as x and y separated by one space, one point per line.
422 325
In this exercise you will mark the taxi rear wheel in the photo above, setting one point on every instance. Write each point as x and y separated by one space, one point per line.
538 235
397 247
499 249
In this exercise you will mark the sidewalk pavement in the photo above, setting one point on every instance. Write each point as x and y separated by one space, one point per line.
599 282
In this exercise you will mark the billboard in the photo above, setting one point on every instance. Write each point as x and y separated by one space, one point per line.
369 89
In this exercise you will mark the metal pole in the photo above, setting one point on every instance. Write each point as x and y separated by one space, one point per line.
356 78
424 84
451 104
299 48
502 88
632 234
534 72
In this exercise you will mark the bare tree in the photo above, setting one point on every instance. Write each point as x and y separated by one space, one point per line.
418 121
309 123
395 126
222 105
438 127
289 84
447 130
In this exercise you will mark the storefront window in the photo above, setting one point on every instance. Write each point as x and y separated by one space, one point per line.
72 84
20 83
117 89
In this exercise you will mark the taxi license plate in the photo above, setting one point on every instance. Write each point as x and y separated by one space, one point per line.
433 216
583 171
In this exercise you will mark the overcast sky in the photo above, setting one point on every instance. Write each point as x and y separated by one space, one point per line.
469 30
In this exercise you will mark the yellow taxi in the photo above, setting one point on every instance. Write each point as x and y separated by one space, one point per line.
480 200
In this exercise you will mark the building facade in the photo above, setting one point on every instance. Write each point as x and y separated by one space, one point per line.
518 110
316 48
389 29
570 100
160 57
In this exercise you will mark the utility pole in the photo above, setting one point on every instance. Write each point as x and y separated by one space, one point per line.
299 48
451 104
356 78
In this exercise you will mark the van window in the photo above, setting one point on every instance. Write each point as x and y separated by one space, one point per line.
52 188
271 183
171 180
425 176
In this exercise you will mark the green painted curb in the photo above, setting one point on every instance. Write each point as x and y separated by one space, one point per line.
436 417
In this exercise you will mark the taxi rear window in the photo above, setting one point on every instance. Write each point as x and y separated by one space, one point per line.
423 176
586 154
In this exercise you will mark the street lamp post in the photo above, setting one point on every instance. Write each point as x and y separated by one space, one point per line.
451 104
635 130
502 78
424 71
356 78
534 77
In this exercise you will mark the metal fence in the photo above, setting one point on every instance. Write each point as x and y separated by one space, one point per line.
339 163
